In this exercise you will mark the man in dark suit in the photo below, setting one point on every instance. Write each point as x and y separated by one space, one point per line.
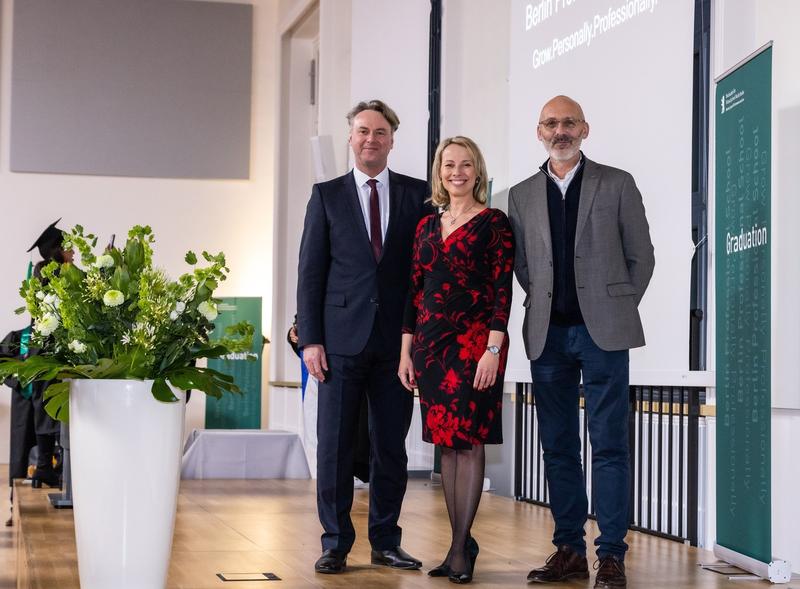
584 258
355 258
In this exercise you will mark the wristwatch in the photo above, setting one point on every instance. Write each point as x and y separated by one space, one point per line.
493 349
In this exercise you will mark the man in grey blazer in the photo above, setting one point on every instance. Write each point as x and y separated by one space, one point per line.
584 259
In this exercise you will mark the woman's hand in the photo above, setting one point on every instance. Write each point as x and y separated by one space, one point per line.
486 373
406 371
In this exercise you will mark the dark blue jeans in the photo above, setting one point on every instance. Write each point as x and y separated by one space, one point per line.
568 353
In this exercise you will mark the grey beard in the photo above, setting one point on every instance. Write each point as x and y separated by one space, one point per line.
563 156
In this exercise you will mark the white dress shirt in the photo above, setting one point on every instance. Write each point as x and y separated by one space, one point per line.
383 197
563 184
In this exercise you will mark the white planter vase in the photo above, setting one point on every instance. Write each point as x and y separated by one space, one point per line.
126 451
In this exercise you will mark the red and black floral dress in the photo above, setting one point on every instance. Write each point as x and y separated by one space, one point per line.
460 290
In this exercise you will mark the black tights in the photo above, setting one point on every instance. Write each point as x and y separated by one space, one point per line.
462 482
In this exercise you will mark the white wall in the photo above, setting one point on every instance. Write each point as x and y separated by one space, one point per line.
232 216
335 76
474 100
295 178
739 28
389 61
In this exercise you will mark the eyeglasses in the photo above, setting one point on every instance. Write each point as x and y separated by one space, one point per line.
568 124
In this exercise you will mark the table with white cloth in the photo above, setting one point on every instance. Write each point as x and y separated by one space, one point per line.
243 454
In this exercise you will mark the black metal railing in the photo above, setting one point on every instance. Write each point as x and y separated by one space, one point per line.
664 426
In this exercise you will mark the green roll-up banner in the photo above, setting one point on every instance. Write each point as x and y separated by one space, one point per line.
238 411
743 238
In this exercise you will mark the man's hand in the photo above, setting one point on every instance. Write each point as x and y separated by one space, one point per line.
315 360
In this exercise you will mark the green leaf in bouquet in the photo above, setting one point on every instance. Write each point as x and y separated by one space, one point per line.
117 255
121 279
72 275
56 398
188 378
20 310
210 351
191 258
238 338
162 392
134 255
105 368
174 352
203 293
219 375
38 368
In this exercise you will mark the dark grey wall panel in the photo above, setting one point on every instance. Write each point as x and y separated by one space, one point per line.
156 88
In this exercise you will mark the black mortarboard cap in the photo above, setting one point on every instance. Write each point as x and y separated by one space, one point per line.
49 240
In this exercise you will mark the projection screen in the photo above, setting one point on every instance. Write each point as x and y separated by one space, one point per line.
629 63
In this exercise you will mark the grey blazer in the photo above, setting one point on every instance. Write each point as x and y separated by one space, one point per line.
613 257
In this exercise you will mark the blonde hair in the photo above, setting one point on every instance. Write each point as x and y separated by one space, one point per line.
439 196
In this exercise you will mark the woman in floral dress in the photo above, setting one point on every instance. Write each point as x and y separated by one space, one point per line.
454 334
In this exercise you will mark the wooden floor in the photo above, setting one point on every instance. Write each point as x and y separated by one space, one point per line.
271 526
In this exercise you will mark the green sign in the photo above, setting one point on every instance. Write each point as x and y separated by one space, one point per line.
743 238
238 411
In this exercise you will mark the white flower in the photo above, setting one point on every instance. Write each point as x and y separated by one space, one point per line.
113 298
144 328
180 307
77 346
207 310
40 295
46 324
104 261
52 300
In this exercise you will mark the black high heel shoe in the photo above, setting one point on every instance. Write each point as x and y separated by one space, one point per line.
443 570
471 549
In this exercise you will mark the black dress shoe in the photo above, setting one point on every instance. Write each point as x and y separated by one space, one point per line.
396 558
610 573
331 562
562 565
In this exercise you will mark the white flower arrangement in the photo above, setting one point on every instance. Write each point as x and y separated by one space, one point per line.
123 318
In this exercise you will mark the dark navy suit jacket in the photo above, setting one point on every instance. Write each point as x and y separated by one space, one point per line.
341 289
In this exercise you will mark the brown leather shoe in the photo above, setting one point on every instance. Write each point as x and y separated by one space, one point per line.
610 573
562 565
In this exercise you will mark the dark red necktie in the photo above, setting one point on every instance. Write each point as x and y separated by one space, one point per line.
375 219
